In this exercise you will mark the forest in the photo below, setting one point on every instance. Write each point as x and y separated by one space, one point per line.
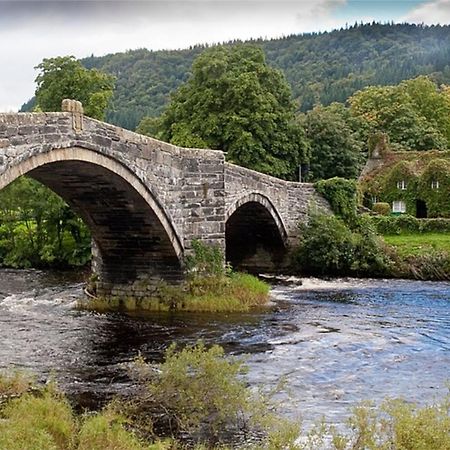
320 67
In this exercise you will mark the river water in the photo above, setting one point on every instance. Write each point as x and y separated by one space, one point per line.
335 343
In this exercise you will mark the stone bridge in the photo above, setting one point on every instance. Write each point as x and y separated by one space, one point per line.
145 201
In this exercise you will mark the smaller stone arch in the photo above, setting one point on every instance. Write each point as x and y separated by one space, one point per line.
255 234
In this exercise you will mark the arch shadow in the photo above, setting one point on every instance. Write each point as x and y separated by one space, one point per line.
256 237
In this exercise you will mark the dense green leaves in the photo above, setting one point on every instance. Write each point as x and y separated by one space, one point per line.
336 147
65 77
37 228
236 103
415 114
320 67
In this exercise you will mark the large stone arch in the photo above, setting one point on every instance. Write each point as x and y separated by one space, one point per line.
255 234
133 233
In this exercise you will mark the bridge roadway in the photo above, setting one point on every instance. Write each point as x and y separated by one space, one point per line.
145 201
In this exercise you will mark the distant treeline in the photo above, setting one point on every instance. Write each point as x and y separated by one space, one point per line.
321 67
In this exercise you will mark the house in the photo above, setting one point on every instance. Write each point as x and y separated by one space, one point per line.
411 182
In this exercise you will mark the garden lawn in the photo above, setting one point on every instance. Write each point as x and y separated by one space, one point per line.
419 243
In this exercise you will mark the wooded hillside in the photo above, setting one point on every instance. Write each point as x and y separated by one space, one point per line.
321 67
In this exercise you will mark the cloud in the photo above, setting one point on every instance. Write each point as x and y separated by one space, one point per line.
432 12
40 29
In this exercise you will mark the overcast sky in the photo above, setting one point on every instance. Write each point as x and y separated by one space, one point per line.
37 29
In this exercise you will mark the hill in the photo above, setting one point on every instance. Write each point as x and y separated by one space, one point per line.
321 67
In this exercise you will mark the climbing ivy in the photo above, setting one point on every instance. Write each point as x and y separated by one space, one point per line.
341 194
438 198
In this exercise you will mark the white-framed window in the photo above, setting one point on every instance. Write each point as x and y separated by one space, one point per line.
402 184
435 184
398 206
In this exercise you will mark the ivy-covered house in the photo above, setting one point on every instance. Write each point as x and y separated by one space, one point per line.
416 183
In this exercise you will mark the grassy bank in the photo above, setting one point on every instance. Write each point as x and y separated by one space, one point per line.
419 244
423 256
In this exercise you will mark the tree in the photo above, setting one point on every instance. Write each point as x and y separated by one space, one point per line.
336 149
415 114
236 103
65 77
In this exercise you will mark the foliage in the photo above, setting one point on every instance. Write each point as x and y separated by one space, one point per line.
415 114
14 383
106 431
37 423
438 199
321 67
205 261
65 77
336 148
200 391
397 425
329 247
341 194
37 228
381 208
235 102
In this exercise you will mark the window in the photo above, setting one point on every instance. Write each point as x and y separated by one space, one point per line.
434 184
401 185
398 206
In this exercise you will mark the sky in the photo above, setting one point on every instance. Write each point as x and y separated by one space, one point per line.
35 29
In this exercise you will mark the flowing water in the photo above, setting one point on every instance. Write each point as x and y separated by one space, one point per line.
334 343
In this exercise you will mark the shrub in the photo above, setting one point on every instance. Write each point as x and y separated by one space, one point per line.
329 247
396 425
435 225
199 391
382 208
396 224
341 194
205 261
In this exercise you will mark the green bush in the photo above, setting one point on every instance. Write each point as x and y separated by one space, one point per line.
395 425
341 194
382 208
388 225
329 247
205 261
435 225
105 431
200 391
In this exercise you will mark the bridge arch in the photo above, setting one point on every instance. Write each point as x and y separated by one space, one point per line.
133 234
255 234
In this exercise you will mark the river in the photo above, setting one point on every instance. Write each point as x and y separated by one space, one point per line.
335 343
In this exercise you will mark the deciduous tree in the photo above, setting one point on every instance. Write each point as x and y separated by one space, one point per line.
235 102
65 77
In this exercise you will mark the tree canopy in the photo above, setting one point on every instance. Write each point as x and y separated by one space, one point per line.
415 113
65 77
336 147
234 101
